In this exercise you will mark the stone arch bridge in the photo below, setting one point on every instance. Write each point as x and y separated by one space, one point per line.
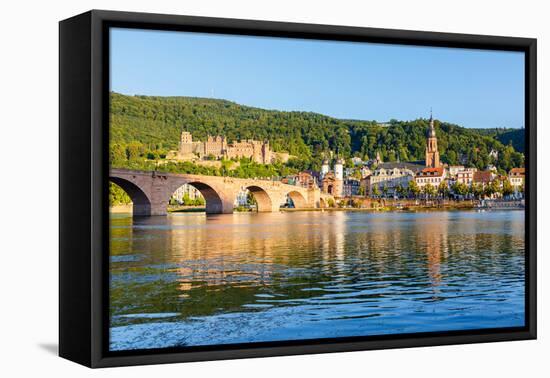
151 191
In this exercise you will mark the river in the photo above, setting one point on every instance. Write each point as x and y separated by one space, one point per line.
189 279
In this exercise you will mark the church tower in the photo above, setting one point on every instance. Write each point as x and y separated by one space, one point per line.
432 154
339 178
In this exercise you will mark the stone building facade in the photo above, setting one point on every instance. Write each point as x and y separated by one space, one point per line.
430 176
517 178
258 151
389 176
214 145
186 143
465 176
333 185
351 187
217 146
333 181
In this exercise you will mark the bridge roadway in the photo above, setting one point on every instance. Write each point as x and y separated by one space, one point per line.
151 191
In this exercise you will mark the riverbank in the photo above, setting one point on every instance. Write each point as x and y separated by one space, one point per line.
119 209
398 205
382 206
385 209
186 209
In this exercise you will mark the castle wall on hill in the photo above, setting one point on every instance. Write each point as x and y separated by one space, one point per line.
217 146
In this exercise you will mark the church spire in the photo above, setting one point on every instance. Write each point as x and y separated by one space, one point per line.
432 153
431 130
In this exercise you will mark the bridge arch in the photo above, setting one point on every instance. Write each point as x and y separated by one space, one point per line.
141 204
298 199
214 202
151 191
263 200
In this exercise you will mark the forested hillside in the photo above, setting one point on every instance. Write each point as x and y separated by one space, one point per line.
143 126
515 137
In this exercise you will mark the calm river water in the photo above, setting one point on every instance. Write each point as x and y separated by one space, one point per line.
191 279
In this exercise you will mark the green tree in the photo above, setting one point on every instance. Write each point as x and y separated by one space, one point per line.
477 190
443 189
507 188
493 188
460 188
429 190
117 154
452 157
414 188
399 190
117 196
384 190
134 150
251 200
186 200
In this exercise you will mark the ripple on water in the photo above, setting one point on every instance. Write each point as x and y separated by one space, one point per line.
195 281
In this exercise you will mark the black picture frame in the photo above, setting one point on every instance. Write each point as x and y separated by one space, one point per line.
83 196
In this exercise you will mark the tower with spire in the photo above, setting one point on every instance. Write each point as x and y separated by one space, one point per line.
432 153
332 181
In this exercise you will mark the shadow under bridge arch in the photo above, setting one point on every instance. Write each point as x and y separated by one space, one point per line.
213 199
141 203
298 200
264 202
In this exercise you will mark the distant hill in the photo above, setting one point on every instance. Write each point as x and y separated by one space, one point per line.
516 137
156 123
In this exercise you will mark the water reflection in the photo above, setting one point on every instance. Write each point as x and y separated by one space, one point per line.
192 279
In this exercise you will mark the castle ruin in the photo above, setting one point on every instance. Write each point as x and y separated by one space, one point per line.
218 147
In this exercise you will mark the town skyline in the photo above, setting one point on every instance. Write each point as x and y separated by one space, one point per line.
360 182
153 126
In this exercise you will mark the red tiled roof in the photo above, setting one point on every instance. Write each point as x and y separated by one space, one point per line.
431 172
517 171
482 176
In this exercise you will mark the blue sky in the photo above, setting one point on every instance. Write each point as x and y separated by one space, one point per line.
473 88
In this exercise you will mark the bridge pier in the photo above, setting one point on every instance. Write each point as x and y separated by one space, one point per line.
313 198
159 208
141 209
219 207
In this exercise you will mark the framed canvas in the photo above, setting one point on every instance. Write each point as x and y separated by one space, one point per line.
236 188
